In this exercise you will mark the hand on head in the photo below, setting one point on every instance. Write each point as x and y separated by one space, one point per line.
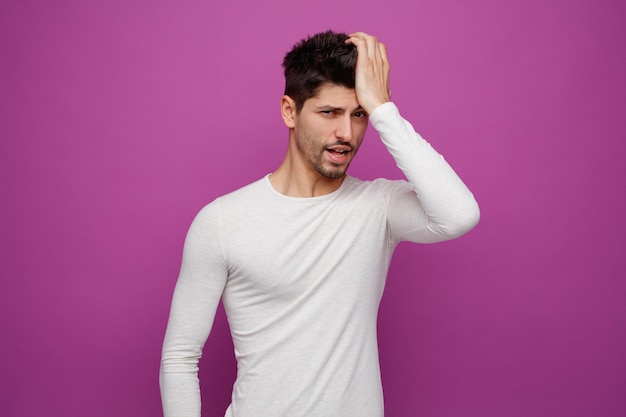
372 71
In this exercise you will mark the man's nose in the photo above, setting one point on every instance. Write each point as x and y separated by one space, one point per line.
344 129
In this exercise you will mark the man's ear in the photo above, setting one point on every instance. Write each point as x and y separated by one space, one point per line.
288 111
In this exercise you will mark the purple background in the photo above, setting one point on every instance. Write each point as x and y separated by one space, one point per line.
120 119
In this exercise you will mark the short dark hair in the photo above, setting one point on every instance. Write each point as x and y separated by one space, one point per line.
319 59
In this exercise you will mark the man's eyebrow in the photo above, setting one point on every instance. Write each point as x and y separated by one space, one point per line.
336 108
329 107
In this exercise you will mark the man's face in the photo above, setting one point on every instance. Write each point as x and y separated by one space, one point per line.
329 130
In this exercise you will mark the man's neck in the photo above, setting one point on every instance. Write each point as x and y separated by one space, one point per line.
294 181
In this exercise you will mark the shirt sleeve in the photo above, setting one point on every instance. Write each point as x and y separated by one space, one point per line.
197 294
435 205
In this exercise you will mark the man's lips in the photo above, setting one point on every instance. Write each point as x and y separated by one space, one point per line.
339 148
339 153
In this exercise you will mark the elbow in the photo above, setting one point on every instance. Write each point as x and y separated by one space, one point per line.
467 219
183 360
471 218
460 223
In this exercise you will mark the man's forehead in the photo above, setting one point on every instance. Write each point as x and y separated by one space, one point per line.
333 95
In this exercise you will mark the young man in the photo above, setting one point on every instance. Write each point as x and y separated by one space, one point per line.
300 257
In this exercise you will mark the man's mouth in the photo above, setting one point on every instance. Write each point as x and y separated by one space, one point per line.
339 153
339 149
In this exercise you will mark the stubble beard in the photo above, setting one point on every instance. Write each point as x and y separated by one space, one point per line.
333 172
324 168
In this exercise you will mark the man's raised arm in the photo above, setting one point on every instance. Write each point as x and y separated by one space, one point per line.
439 206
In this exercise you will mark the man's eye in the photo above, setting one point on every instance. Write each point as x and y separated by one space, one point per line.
329 112
360 114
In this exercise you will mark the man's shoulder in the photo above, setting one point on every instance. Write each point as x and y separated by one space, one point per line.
241 197
245 193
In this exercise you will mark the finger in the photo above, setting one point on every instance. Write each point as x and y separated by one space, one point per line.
363 49
372 47
361 39
355 40
376 50
382 48
365 42
361 35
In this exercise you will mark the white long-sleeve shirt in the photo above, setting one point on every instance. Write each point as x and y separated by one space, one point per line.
301 280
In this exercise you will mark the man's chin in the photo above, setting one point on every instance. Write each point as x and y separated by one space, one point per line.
333 173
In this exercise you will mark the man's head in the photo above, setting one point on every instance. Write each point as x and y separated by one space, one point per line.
320 59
